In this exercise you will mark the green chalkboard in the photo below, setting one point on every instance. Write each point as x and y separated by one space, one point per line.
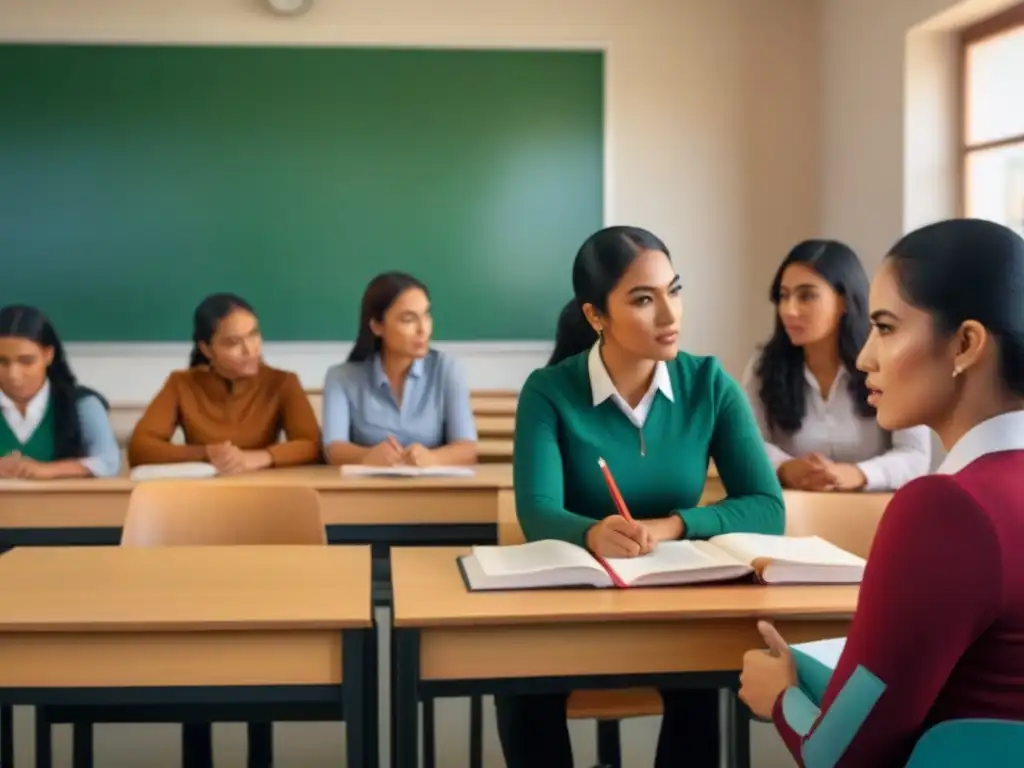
134 180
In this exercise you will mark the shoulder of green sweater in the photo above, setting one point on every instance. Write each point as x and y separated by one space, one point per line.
703 372
566 379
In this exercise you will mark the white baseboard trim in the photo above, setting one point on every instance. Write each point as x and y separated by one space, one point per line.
131 373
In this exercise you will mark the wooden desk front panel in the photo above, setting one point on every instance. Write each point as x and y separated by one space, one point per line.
158 659
562 650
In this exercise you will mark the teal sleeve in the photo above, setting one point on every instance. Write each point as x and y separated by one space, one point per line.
537 472
754 497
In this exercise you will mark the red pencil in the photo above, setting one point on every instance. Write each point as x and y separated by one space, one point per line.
620 503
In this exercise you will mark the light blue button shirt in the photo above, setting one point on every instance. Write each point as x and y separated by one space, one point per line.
360 408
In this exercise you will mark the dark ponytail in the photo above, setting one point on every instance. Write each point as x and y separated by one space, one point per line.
600 263
29 323
207 317
968 269
573 334
378 297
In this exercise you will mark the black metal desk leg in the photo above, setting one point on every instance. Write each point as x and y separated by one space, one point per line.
372 700
44 743
739 739
6 736
81 745
405 676
197 745
261 745
353 691
429 730
476 732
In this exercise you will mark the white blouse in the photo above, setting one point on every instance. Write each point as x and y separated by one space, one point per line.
833 428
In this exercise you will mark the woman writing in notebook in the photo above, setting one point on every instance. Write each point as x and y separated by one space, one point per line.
810 400
397 401
50 427
231 406
621 390
939 625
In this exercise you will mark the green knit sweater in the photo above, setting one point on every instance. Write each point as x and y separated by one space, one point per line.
40 445
560 433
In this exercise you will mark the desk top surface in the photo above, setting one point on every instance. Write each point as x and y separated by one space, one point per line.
322 478
160 589
429 590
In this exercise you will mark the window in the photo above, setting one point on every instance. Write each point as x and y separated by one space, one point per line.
993 119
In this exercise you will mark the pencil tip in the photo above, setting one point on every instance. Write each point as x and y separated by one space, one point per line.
600 461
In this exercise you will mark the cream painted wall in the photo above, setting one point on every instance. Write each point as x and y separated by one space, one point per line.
886 147
712 132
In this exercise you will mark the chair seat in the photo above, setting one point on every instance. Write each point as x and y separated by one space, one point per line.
614 704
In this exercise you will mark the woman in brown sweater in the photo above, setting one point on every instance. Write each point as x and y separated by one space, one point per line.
231 406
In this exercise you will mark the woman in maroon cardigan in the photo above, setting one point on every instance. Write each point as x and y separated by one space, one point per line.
939 629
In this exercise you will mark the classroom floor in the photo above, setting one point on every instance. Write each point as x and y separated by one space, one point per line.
315 745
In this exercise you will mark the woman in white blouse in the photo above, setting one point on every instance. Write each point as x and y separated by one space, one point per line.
810 400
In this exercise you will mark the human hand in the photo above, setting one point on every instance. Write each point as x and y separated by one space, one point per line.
17 466
663 528
385 454
615 536
256 460
803 474
829 475
766 673
418 456
227 458
9 464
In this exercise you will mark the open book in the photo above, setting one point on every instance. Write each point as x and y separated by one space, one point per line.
362 470
771 559
189 470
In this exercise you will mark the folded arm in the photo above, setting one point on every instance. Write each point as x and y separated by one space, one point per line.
151 439
754 502
537 473
302 432
910 457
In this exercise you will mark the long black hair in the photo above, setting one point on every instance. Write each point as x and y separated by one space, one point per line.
29 323
781 365
968 269
378 297
207 317
600 263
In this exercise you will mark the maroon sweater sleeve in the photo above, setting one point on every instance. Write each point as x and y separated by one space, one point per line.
932 585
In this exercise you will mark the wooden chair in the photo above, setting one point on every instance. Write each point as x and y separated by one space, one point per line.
204 513
848 520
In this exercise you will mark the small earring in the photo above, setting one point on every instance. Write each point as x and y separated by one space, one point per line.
957 371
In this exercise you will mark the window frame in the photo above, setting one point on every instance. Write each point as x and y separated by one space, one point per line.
1011 18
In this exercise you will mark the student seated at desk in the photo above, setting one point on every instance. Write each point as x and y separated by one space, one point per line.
621 389
50 427
939 630
396 401
231 406
809 398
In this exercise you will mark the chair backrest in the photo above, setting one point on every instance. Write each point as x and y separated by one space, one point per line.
848 520
956 743
208 513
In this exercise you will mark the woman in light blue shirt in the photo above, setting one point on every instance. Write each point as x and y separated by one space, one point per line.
50 427
396 401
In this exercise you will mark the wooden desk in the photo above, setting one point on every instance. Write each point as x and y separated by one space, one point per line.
450 642
231 625
380 511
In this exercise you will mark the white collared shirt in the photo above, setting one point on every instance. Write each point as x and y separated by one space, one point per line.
24 425
834 428
103 457
603 388
1000 433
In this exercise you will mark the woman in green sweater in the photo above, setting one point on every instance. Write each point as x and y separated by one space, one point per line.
618 387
